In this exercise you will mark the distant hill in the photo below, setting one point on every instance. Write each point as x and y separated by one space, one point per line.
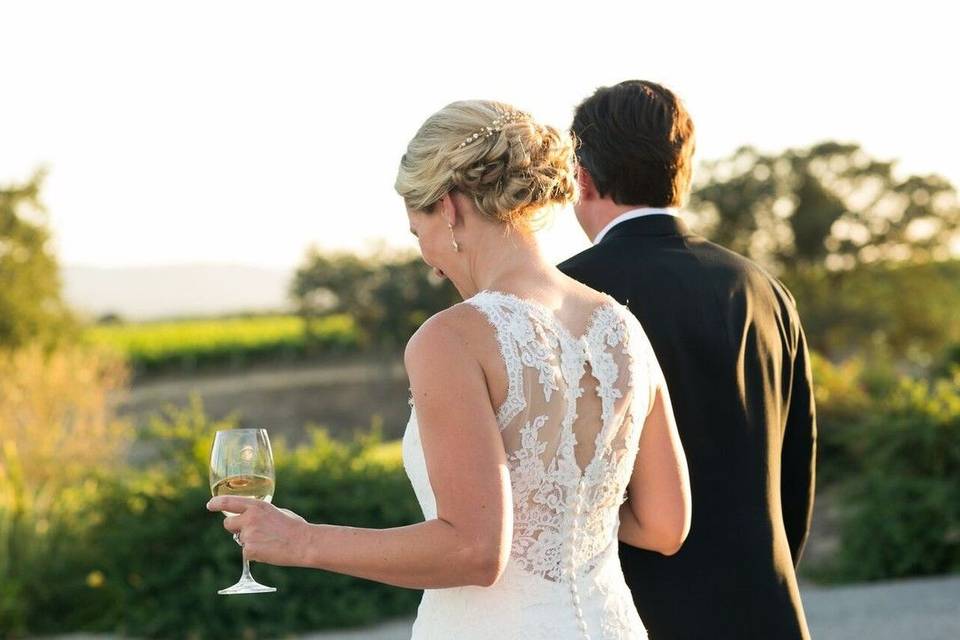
140 293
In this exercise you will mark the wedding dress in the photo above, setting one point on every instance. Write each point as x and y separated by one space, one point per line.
570 425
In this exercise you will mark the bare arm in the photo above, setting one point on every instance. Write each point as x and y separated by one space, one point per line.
656 515
469 541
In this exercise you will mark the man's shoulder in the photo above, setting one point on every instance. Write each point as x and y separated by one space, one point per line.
648 251
710 252
695 257
587 258
749 277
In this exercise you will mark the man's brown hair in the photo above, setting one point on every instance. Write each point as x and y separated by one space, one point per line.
637 141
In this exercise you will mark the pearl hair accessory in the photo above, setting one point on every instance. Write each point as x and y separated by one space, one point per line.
496 125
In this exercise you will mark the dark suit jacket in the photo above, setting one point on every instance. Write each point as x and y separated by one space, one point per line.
729 341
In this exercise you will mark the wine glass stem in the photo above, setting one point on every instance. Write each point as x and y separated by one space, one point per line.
246 577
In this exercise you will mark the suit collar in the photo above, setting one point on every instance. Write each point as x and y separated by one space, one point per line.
630 215
652 225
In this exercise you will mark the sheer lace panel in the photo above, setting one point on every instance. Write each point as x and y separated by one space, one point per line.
570 425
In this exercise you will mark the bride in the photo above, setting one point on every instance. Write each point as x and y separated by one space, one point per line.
541 429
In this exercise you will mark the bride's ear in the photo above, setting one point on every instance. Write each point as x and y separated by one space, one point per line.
447 208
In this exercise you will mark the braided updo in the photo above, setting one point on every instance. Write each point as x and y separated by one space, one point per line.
513 172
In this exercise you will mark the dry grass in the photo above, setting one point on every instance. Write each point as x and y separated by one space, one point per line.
56 424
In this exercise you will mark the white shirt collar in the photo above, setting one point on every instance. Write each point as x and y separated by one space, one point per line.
630 215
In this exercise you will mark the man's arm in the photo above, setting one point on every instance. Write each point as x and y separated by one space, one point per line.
799 453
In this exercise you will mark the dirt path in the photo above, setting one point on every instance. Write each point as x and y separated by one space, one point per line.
345 397
273 379
918 609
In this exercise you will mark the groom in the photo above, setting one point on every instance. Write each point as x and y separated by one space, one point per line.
729 341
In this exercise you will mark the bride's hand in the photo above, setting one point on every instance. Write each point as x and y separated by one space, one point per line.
266 533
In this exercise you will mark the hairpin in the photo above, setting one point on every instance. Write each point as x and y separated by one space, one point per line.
496 125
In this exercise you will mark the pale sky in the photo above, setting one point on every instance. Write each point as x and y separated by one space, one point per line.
237 132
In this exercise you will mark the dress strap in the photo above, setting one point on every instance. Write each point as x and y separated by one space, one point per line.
511 326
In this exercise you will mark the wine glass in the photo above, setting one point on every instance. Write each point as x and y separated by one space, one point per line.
241 464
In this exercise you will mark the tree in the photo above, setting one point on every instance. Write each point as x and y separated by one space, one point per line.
389 297
830 204
903 311
31 307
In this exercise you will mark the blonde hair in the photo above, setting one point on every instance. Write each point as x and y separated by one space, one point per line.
514 172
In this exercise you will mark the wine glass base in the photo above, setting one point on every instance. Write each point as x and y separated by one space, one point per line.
246 587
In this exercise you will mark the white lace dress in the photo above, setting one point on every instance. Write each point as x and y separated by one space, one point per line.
570 426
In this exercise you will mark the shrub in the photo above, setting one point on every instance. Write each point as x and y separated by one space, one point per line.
845 394
150 558
55 430
902 512
948 361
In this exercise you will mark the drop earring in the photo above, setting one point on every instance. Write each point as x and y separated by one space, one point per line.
456 245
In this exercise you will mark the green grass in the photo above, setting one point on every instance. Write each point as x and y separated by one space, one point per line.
190 344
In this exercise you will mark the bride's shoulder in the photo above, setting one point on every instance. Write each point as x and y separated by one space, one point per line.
456 332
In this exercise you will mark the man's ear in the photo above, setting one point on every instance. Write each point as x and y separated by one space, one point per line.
588 190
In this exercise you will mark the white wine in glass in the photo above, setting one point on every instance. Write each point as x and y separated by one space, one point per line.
246 486
241 464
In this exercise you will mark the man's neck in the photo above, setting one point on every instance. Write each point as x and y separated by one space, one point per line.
608 213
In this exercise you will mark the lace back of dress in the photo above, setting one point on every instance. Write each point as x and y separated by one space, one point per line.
570 427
